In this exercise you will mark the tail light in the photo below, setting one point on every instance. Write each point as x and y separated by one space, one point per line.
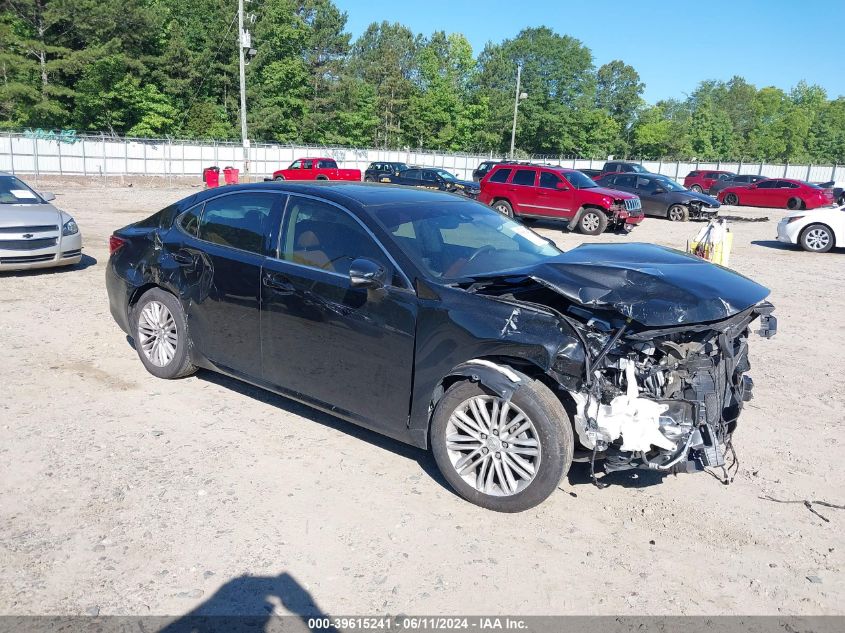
115 244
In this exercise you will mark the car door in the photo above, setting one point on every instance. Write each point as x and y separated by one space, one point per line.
647 189
430 180
409 177
522 191
555 196
345 349
762 194
219 248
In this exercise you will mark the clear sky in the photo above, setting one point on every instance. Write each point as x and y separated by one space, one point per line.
672 45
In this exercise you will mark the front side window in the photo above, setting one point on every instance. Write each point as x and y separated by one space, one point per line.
429 176
320 235
297 164
548 180
14 191
500 175
445 175
580 181
238 221
524 177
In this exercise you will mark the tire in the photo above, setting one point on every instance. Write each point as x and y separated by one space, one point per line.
817 238
549 426
592 222
731 199
841 201
504 207
697 189
278 178
794 204
150 324
678 213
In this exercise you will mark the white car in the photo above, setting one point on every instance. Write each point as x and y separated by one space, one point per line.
34 233
817 230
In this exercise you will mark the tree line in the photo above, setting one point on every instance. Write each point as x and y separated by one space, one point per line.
166 67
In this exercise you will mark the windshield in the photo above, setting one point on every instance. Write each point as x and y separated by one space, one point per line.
579 180
669 185
463 239
13 191
445 175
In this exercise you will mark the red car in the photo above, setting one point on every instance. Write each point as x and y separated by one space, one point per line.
701 181
554 193
316 169
778 192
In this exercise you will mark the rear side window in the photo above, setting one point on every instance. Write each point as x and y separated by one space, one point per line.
548 180
501 175
524 177
327 164
625 181
189 221
768 184
411 174
238 221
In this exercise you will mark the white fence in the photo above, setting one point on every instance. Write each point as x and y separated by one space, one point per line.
67 154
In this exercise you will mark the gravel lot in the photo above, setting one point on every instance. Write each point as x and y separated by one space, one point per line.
124 494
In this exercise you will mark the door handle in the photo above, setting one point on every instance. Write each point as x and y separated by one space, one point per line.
278 282
184 258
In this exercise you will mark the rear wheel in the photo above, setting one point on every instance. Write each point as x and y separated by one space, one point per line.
592 222
794 204
731 199
161 335
817 238
696 188
678 213
504 207
504 455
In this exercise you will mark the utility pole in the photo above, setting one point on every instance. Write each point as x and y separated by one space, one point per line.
243 43
519 96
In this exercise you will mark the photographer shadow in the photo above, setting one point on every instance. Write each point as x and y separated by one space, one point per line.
248 603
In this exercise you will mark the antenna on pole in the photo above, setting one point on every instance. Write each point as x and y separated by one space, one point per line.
244 42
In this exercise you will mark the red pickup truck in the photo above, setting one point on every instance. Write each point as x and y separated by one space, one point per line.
316 169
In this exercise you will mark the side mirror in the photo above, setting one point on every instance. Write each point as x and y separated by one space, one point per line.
365 273
659 190
562 187
48 195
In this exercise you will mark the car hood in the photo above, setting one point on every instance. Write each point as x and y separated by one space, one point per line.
683 196
12 215
464 184
613 193
652 285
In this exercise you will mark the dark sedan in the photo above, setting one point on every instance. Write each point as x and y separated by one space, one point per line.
433 178
438 321
733 181
663 197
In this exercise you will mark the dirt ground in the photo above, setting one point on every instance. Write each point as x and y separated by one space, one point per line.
124 494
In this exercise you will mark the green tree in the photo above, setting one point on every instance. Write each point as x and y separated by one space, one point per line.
619 93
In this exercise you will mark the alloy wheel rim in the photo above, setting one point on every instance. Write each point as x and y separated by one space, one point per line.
493 446
591 222
731 199
157 333
503 210
817 239
675 213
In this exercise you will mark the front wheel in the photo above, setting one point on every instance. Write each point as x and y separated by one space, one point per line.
817 238
731 199
503 455
161 335
678 213
504 207
592 222
279 178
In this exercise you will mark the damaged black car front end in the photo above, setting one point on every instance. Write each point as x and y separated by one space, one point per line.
658 377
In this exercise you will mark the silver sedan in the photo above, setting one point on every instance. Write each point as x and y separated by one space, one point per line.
34 233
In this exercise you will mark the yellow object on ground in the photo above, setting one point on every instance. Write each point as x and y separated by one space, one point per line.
713 242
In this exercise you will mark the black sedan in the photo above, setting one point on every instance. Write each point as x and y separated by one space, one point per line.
733 181
376 170
663 197
433 178
437 321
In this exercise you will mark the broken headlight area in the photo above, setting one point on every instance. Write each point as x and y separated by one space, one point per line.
666 400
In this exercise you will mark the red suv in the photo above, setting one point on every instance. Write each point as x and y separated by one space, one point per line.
554 193
701 180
